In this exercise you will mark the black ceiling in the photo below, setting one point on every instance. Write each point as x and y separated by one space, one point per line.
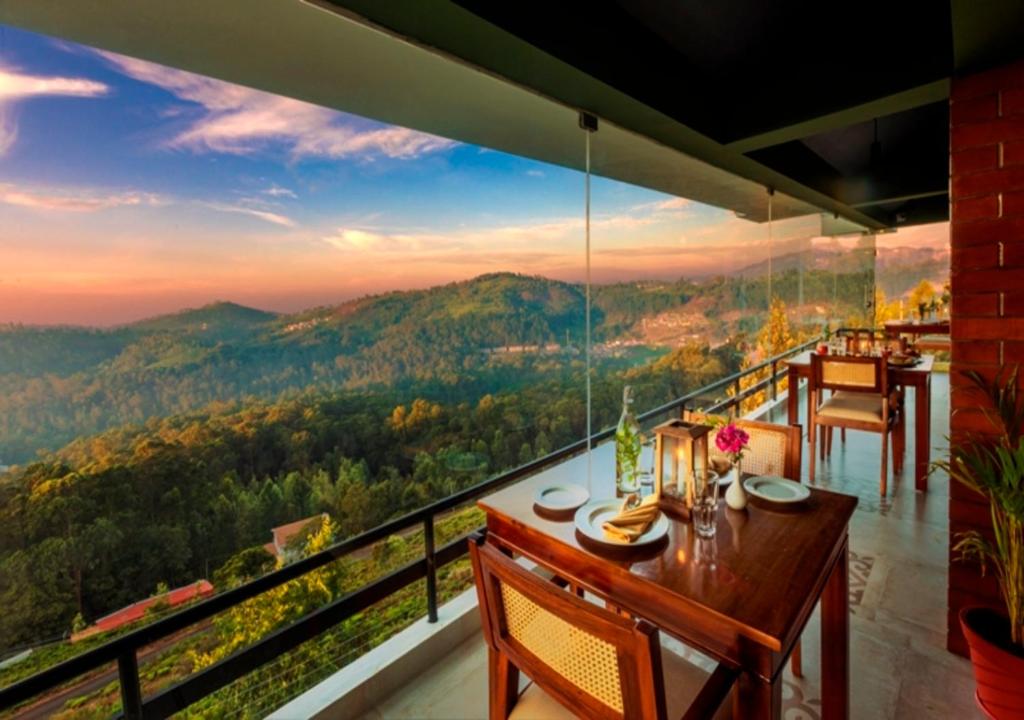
731 69
844 104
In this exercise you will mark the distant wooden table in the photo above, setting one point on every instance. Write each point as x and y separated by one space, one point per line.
918 377
742 598
895 328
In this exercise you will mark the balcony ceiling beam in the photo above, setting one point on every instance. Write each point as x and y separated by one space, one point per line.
936 91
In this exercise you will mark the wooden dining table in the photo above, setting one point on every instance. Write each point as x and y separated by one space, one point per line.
918 377
742 598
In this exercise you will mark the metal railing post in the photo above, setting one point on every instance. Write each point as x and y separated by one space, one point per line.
428 539
131 691
775 380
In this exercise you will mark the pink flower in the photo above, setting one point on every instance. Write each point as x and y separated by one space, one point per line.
731 440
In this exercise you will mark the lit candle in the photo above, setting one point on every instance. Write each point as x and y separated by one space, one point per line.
681 471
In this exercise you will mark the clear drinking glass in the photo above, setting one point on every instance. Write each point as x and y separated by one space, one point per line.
645 471
705 505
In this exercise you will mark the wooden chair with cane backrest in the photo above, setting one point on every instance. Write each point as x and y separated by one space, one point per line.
859 341
773 450
860 400
584 661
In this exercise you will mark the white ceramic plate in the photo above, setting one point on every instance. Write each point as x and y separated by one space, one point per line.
776 489
561 497
592 516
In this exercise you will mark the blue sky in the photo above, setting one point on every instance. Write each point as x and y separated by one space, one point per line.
129 189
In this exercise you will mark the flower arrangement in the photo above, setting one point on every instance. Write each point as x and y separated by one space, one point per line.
732 441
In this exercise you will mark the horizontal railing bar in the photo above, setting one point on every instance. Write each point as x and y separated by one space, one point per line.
180 696
231 668
110 651
746 393
718 384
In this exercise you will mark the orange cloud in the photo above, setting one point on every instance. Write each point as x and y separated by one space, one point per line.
265 215
64 201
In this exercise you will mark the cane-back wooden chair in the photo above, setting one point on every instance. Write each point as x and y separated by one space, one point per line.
859 341
583 661
773 450
861 399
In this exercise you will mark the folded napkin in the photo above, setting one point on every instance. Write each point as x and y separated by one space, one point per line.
633 519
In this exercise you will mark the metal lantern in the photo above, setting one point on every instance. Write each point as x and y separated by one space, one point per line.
680 454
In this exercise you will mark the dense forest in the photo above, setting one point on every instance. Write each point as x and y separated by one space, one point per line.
111 516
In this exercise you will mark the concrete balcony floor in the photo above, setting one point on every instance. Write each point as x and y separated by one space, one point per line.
900 667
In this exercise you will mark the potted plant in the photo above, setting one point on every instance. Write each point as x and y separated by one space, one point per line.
994 468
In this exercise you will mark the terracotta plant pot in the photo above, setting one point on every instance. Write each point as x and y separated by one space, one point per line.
998 668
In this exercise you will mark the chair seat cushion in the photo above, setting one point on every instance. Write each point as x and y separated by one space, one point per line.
683 680
860 407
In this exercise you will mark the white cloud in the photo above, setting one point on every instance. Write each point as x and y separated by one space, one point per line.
88 200
16 86
264 215
676 203
535 173
673 205
8 131
278 191
377 242
539 235
240 120
66 200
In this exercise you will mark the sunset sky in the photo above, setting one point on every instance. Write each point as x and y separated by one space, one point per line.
129 189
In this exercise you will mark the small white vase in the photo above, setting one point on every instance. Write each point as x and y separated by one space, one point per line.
736 496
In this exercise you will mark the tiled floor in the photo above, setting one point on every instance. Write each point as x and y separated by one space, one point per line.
900 667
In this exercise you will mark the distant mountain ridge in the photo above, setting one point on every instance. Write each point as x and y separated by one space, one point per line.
60 383
216 315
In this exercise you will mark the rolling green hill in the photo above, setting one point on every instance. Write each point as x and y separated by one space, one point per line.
450 343
57 384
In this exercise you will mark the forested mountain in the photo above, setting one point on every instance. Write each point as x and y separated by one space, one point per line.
58 384
900 269
448 343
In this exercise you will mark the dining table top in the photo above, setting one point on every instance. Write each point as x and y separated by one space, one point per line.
756 576
925 366
918 327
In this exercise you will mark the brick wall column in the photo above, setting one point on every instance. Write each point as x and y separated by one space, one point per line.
987 236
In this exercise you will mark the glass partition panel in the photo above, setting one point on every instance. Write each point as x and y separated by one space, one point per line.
687 293
912 273
845 280
238 329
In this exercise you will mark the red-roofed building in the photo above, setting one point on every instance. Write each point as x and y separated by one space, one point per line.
284 534
137 610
